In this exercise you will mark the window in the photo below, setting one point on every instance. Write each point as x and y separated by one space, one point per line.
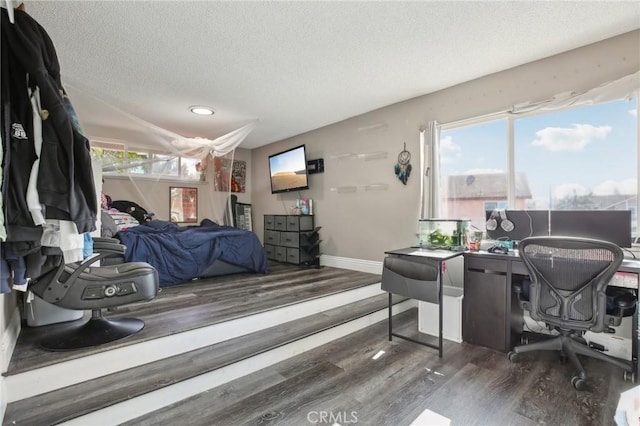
111 156
589 155
495 205
473 171
582 158
116 159
139 163
165 165
189 168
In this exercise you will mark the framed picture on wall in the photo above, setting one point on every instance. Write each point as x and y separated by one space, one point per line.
238 174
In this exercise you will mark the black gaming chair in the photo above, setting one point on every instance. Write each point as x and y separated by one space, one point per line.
82 286
569 278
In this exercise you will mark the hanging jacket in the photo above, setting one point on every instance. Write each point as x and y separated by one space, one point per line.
19 155
65 179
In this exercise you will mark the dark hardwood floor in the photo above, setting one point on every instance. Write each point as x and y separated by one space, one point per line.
200 303
470 385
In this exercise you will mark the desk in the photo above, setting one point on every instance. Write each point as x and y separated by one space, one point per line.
429 256
491 314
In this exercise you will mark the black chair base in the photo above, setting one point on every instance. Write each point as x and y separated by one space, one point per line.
97 331
571 345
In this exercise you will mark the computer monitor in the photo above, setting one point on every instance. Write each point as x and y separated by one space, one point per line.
526 223
608 225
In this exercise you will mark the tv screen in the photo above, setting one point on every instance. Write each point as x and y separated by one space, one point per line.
288 170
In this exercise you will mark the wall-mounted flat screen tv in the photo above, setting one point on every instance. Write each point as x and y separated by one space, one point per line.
288 170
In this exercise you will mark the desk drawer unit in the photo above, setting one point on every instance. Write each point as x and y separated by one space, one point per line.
289 239
281 254
485 265
483 306
299 223
270 250
269 221
519 268
280 223
272 237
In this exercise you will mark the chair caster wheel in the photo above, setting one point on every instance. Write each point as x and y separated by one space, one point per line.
630 376
512 356
579 383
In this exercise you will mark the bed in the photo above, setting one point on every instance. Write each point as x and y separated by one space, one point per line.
181 254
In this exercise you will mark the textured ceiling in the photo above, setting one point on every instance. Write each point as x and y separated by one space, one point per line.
295 66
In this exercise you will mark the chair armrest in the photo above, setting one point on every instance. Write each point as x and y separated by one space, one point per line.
89 261
107 247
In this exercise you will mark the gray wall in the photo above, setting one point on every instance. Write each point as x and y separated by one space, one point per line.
363 224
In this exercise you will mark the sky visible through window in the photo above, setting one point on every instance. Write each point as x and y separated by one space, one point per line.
583 151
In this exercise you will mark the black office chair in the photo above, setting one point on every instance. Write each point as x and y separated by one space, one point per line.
83 286
569 277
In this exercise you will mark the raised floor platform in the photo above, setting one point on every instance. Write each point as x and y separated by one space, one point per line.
197 304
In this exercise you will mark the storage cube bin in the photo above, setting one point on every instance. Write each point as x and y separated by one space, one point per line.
451 315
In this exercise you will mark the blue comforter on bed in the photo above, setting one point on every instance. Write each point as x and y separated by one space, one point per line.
181 254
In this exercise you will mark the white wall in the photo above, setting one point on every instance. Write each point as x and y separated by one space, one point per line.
9 329
363 224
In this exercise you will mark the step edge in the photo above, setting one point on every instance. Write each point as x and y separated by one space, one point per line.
209 369
25 384
131 408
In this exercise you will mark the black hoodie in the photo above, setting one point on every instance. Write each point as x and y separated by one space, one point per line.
65 179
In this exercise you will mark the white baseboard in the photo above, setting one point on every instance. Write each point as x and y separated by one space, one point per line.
370 266
9 340
7 345
3 400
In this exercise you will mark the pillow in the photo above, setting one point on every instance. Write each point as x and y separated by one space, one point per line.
123 220
108 226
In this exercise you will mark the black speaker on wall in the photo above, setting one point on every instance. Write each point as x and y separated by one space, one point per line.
315 166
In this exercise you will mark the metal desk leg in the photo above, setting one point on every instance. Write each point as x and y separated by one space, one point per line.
635 338
440 303
392 334
390 315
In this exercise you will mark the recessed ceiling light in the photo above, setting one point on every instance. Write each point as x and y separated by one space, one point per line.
201 110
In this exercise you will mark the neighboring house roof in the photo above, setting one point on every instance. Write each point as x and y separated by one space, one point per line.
485 186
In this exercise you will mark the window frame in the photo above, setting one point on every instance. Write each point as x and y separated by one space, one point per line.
126 148
510 139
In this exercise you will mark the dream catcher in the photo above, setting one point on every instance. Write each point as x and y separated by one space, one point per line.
402 167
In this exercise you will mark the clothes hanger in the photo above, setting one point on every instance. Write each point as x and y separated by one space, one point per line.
10 5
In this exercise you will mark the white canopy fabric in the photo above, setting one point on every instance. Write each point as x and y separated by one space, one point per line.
215 155
626 87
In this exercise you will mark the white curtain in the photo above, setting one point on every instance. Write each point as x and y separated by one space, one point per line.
216 155
626 87
430 166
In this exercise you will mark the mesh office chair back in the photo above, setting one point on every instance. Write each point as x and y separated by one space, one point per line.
569 280
568 291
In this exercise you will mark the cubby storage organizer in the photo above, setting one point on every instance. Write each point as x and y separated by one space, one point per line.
292 239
